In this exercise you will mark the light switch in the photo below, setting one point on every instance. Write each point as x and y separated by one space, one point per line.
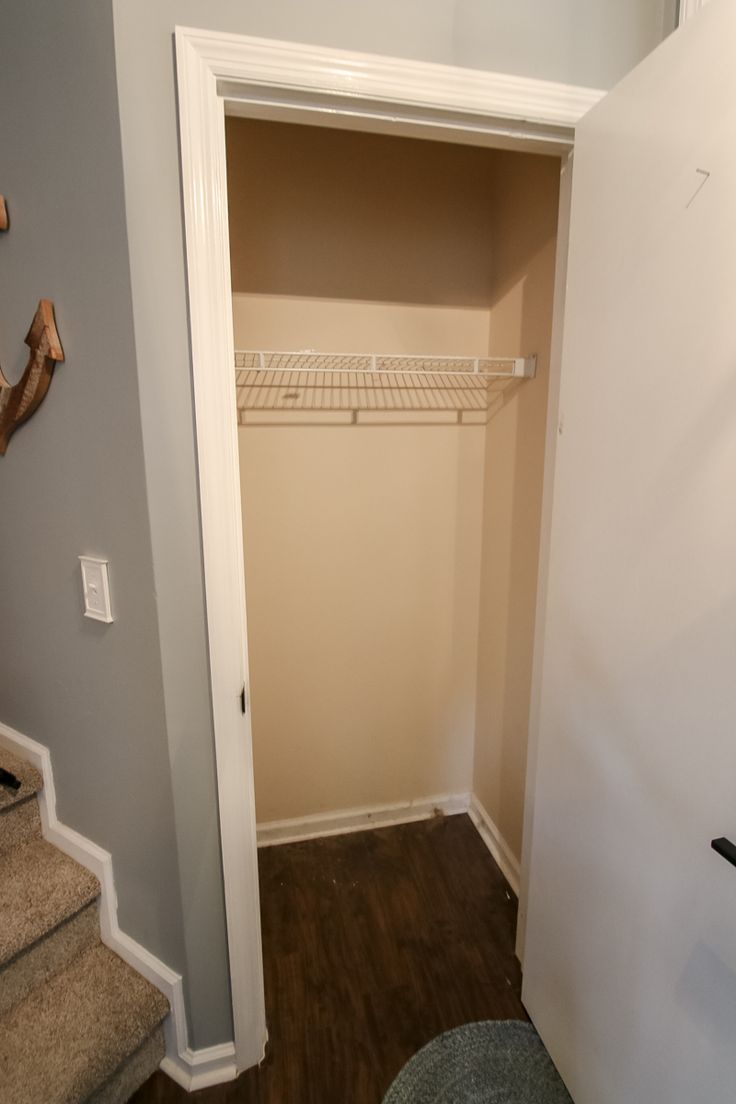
96 585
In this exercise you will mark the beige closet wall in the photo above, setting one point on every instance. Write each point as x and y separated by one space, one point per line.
332 214
362 551
389 597
362 543
286 322
525 206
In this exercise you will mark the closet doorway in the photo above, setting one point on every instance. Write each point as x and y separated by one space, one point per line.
392 307
392 314
401 672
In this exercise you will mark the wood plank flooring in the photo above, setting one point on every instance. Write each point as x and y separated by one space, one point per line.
373 944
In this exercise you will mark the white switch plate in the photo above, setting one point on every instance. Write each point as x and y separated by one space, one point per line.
96 586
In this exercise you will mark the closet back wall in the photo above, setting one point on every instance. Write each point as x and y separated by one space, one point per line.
336 214
362 549
363 544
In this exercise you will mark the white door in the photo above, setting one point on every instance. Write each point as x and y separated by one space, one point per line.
630 959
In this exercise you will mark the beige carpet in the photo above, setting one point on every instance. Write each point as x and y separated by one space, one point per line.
77 1024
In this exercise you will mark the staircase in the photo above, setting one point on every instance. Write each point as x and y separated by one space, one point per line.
76 1023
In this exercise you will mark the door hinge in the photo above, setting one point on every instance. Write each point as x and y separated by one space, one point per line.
243 703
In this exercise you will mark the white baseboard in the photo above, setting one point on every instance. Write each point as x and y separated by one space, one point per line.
198 1069
273 832
496 844
192 1069
339 823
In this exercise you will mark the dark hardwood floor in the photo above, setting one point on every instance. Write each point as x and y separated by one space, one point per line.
373 944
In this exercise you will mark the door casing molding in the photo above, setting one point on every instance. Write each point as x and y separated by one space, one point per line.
689 8
219 74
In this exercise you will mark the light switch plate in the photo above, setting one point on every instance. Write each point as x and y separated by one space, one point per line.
96 586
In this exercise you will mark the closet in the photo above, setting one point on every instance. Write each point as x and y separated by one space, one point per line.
392 308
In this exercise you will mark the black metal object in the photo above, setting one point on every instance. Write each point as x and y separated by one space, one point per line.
242 699
9 780
725 848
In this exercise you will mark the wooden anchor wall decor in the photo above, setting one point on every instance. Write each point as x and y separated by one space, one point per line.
19 401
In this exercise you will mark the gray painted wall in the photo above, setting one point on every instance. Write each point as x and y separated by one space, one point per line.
73 478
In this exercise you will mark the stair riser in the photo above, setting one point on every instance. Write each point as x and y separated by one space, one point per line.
30 780
76 1023
48 956
134 1072
19 824
72 1037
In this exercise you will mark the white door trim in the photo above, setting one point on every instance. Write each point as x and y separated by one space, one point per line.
361 91
689 8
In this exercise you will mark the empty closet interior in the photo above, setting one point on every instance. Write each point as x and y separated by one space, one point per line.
389 294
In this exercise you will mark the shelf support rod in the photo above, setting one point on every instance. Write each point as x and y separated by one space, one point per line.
525 367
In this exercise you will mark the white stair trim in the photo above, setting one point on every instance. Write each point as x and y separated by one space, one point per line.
496 844
342 821
192 1069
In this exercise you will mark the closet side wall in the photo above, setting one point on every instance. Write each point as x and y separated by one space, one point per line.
525 208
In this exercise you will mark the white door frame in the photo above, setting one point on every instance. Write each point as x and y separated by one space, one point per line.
689 8
278 80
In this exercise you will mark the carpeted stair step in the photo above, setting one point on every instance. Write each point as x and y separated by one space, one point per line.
134 1071
20 820
91 1033
48 915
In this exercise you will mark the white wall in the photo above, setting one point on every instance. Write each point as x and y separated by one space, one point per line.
588 42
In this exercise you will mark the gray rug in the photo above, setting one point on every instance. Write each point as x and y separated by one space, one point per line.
495 1062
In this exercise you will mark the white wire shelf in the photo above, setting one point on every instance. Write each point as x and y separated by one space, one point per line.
308 387
308 360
